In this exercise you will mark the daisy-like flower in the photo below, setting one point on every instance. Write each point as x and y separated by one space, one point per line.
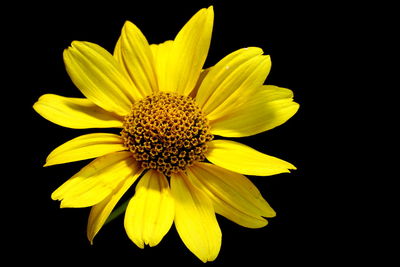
170 111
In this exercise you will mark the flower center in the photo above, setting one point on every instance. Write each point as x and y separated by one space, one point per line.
166 132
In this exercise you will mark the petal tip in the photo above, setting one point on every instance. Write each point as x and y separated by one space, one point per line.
76 43
66 53
128 25
54 196
35 105
90 235
139 244
291 167
296 106
210 12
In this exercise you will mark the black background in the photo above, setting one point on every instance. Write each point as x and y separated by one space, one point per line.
295 36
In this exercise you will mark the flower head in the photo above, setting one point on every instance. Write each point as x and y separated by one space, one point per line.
169 112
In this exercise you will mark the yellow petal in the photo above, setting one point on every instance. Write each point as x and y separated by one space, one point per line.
87 146
161 53
99 77
245 160
232 80
136 57
77 113
273 92
232 194
222 70
150 213
267 109
117 54
195 219
96 181
189 52
238 216
100 212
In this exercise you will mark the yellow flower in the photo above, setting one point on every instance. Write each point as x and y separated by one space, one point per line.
169 110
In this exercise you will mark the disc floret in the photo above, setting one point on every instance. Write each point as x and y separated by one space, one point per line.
166 132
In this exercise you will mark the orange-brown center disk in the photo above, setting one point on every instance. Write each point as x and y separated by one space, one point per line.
166 132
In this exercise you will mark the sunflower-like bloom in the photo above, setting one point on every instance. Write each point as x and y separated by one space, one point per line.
169 111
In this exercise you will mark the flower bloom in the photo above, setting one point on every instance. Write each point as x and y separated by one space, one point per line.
170 112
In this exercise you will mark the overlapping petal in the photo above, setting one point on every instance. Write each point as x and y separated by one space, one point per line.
77 113
233 195
95 181
100 212
161 54
240 158
150 213
86 146
269 107
99 77
188 53
232 80
195 219
134 54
